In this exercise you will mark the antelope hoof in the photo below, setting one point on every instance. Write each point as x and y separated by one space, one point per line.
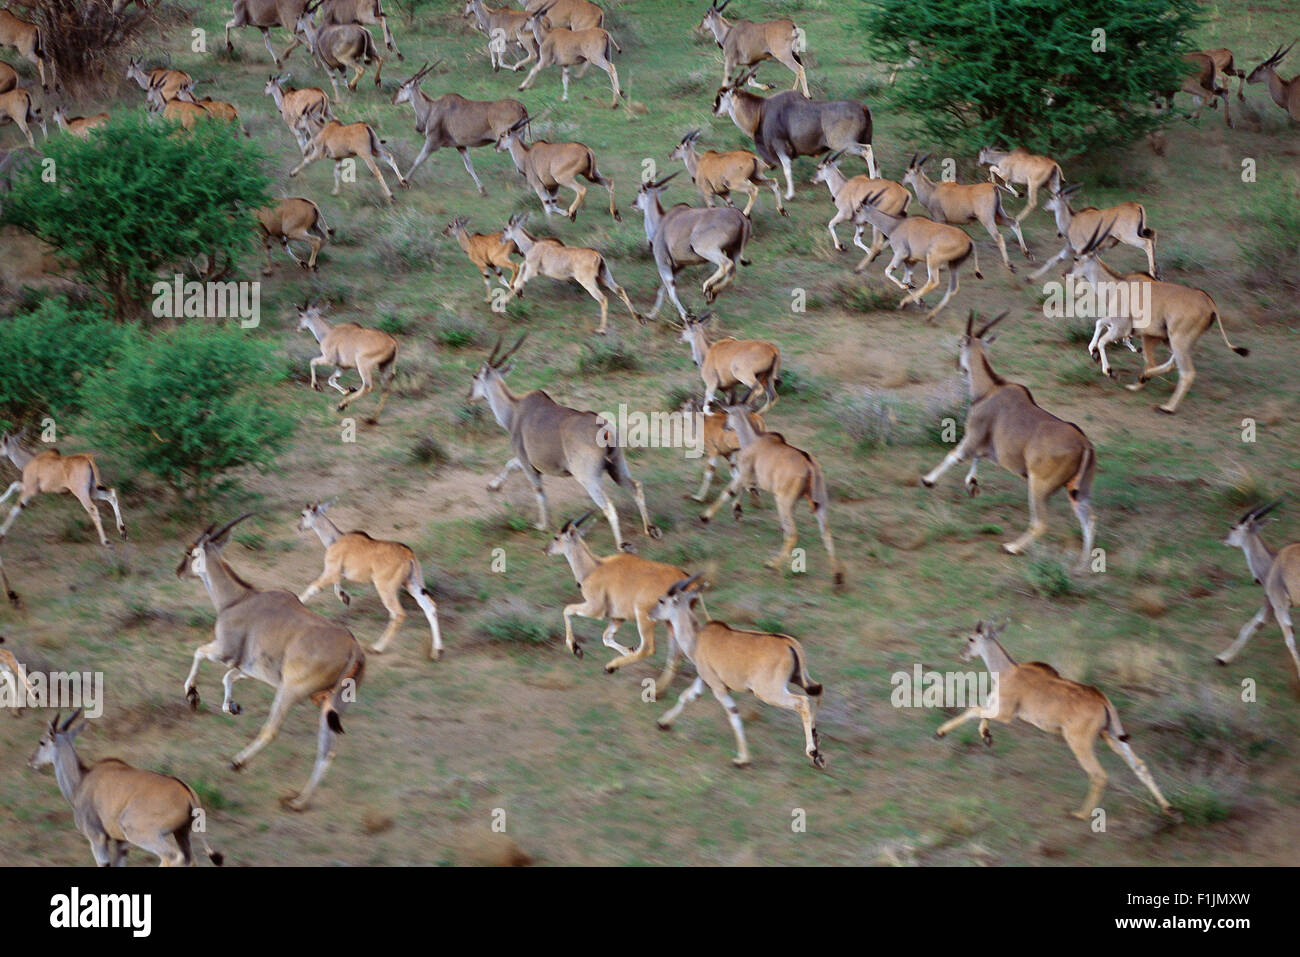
740 762
1112 375
940 733
610 669
345 598
236 765
988 739
973 488
376 650
482 191
662 726
818 761
927 481
1081 815
494 486
704 520
655 532
1011 548
435 655
577 651
292 802
192 696
772 563
1165 409
316 387
122 531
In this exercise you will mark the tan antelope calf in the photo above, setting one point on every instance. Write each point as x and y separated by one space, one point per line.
720 443
340 141
293 103
389 566
768 461
272 637
574 14
489 252
1125 223
1285 93
551 258
848 195
29 41
502 26
547 166
916 239
52 473
616 587
183 112
292 218
1278 572
188 112
350 346
265 14
1021 166
552 439
566 48
745 44
8 77
1203 82
960 203
728 659
685 236
81 126
116 805
11 664
732 362
1224 63
1006 425
340 47
170 84
1158 311
24 690
18 107
1036 694
719 174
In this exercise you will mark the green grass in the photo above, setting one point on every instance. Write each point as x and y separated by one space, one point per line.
508 717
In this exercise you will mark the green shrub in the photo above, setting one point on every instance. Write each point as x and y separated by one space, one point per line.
188 405
456 332
177 198
515 629
1028 72
45 356
1048 577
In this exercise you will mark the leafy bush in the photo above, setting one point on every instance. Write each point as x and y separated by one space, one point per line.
188 405
1029 72
45 356
456 332
512 628
136 198
1048 577
607 356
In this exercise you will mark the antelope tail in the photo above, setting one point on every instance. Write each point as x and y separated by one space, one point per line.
216 857
353 671
1112 723
1240 350
975 258
1143 230
1080 484
799 674
614 42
